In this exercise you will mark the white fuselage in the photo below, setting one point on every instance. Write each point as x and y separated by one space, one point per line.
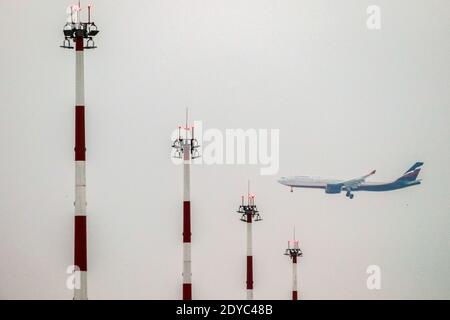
307 181
321 183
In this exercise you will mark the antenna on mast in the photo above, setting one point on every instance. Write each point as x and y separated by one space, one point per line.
188 141
187 119
77 29
248 192
78 11
71 14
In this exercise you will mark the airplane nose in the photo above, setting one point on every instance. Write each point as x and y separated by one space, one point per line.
282 180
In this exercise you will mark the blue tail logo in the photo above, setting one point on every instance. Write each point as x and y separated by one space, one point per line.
412 173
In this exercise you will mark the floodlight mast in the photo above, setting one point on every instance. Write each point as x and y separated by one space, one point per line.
187 149
249 213
79 35
294 251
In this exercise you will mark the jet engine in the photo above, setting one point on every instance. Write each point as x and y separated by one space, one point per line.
333 188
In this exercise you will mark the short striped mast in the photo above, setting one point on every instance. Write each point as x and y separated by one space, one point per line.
249 214
293 251
186 149
77 32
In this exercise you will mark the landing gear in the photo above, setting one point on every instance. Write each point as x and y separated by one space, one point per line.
349 194
292 189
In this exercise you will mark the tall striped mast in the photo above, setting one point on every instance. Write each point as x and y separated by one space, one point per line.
249 213
293 251
81 35
186 149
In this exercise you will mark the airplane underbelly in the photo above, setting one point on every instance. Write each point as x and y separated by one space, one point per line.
378 187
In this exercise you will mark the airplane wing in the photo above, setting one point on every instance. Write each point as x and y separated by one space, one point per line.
354 183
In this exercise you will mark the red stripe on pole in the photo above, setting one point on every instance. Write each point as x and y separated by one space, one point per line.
249 272
79 45
80 243
187 291
294 295
80 140
186 221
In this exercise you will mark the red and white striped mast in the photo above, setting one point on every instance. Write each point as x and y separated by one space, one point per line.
293 251
187 149
81 35
249 214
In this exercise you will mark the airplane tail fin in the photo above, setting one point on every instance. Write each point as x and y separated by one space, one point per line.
412 173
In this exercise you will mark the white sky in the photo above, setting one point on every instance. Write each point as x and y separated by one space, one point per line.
346 100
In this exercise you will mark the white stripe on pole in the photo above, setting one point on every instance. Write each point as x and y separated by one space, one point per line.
249 294
80 188
80 292
79 78
186 165
187 276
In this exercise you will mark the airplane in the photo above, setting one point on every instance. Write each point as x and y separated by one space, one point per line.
408 179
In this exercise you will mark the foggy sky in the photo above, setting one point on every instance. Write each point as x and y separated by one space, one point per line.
345 99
